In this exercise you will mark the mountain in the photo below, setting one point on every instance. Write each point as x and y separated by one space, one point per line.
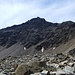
31 36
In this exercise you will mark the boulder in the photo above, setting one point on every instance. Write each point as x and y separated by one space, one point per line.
21 69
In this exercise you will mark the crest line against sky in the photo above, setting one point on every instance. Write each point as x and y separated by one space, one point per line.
18 11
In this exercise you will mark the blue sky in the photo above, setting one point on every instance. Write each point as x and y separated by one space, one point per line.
18 11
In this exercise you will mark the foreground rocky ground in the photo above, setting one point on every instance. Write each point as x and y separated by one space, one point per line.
38 64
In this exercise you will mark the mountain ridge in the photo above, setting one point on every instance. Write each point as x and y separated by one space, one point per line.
36 33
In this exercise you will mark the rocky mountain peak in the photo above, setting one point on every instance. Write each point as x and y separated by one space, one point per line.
37 19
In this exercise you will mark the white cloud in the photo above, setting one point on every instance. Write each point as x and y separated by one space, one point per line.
18 11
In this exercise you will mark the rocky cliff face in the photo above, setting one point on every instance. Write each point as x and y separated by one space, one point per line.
29 33
36 33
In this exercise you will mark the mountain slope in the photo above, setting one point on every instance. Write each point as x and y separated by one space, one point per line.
35 34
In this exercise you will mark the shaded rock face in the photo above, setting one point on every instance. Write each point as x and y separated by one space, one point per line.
72 52
48 73
37 30
28 72
42 64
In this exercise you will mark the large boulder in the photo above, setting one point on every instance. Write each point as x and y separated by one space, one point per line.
24 69
21 69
